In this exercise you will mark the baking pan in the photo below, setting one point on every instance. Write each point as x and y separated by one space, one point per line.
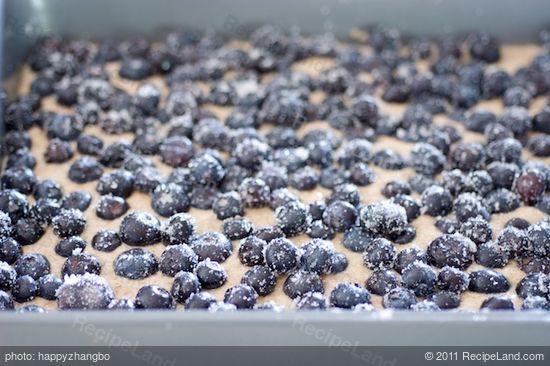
25 21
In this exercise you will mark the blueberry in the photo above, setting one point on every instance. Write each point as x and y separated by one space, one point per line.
399 298
517 120
85 169
89 144
178 229
147 179
35 265
49 189
31 308
111 207
212 245
63 126
513 240
312 301
184 286
69 222
518 223
420 182
113 155
84 292
539 145
154 297
516 96
169 199
210 274
10 250
384 218
118 183
388 159
501 201
535 303
106 240
491 255
539 235
176 258
227 205
468 205
451 250
478 120
445 300
356 239
199 301
293 218
274 175
340 215
81 263
261 279
66 247
242 296
140 228
379 253
436 201
176 151
280 255
347 295
452 279
488 281
318 229
305 179
254 192
237 227
412 208
21 157
484 47
136 263
28 231
345 192
58 151
530 186
79 200
6 302
135 68
48 285
425 305
250 153
24 289
121 304
20 178
381 281
498 302
7 276
534 284
282 197
316 256
268 233
251 251
467 156
495 82
426 159
541 119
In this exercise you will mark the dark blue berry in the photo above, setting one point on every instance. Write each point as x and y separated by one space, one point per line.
185 284
176 258
135 263
154 297
140 228
347 295
212 245
399 298
488 281
210 274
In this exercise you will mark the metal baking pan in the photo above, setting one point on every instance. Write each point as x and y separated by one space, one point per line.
25 21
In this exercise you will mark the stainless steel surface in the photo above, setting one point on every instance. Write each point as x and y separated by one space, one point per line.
24 21
275 329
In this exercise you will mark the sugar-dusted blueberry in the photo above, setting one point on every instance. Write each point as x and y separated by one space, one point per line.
10 250
316 256
347 295
140 228
210 274
110 207
212 245
379 253
261 278
484 47
381 281
488 281
6 302
388 159
254 192
79 200
384 218
135 68
67 246
451 250
357 239
176 258
293 218
19 178
467 156
241 295
227 205
419 277
539 234
89 144
312 301
452 279
237 227
154 297
491 256
184 286
121 304
58 151
21 157
85 169
69 222
135 263
251 250
534 284
106 240
81 263
539 145
84 292
169 199
280 255
178 229
119 183
7 276
445 300
426 159
340 215
25 288
436 201
399 298
48 188
48 285
468 205
28 230
35 265
200 301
